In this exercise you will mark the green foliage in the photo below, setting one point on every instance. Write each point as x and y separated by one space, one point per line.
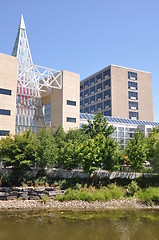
92 194
46 149
18 152
133 188
149 195
136 152
99 126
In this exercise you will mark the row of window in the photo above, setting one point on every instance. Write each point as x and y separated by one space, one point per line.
101 105
94 109
96 88
95 79
98 96
132 75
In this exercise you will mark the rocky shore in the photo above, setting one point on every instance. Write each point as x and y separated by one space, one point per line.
73 205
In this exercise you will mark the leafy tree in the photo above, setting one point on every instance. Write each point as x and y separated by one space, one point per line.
155 159
136 151
98 126
151 141
68 157
46 150
18 152
89 155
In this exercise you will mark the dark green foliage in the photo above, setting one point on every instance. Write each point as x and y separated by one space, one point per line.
136 152
19 154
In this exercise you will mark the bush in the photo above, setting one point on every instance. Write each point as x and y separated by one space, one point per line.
149 195
133 188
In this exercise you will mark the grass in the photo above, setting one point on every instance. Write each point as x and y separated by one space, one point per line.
93 194
149 195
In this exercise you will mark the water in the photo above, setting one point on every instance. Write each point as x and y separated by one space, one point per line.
49 225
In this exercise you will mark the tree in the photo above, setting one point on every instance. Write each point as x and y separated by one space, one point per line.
98 126
89 155
151 141
18 152
68 157
46 150
136 151
155 159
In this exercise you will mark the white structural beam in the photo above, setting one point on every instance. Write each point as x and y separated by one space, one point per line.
38 79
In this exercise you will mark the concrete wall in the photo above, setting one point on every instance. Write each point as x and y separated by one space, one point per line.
8 80
60 110
119 93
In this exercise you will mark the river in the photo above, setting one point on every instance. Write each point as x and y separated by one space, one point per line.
54 225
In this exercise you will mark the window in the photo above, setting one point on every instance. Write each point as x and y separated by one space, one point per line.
92 90
132 85
4 133
86 101
107 93
92 81
70 119
86 93
98 77
133 115
107 103
81 87
106 73
133 105
5 91
81 103
86 84
81 94
107 113
99 87
86 110
92 99
92 109
71 103
132 75
99 97
99 106
4 112
133 95
106 83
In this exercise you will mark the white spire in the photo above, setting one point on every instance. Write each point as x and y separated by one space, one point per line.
22 24
21 48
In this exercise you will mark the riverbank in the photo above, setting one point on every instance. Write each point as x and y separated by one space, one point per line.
74 205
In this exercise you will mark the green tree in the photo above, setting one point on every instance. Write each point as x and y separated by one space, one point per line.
46 150
98 126
18 152
155 159
89 155
151 141
136 151
69 155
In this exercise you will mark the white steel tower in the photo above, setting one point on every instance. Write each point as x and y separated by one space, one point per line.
32 79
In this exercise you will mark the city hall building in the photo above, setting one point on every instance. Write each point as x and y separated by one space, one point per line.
32 96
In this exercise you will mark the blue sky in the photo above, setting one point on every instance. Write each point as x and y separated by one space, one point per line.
86 35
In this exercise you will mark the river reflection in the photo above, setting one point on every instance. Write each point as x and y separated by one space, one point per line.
49 225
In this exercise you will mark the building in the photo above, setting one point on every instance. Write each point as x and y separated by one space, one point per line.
118 92
32 97
26 91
